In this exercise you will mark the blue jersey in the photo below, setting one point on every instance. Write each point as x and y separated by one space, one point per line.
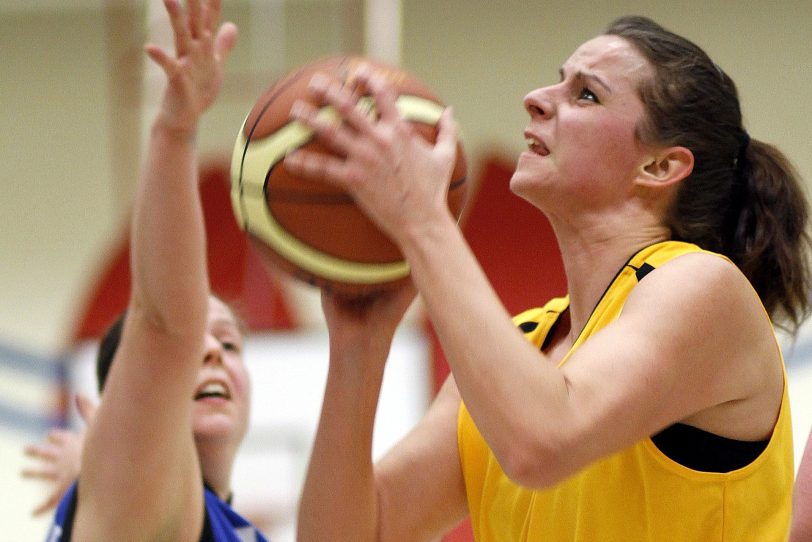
222 523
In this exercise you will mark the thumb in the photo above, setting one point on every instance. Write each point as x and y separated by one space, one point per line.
86 407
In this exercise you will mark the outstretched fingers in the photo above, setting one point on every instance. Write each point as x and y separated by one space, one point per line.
318 166
195 17
161 58
180 29
447 136
86 407
224 41
385 96
41 451
326 126
351 149
353 111
211 14
48 504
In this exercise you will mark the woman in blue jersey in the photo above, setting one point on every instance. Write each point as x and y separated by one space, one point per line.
176 399
648 404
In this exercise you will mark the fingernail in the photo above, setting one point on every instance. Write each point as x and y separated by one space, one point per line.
319 82
297 109
364 70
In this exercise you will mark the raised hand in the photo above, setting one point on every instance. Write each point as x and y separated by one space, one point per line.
195 72
358 322
59 457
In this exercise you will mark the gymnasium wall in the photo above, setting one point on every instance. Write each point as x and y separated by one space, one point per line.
75 93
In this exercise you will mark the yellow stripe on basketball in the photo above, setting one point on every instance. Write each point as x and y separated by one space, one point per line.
236 177
315 261
250 167
415 109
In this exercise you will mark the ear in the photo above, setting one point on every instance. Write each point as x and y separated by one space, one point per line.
666 167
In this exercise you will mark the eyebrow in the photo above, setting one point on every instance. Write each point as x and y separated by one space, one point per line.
590 76
225 323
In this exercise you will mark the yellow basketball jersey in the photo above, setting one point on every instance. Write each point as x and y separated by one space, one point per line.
636 494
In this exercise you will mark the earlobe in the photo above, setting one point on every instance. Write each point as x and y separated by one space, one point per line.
669 166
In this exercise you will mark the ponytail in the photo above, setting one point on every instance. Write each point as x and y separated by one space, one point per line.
766 232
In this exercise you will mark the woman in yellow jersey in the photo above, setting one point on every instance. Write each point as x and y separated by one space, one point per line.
648 404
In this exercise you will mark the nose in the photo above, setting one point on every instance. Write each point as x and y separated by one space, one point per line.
213 350
539 103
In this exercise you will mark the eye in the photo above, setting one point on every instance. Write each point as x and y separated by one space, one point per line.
230 346
586 94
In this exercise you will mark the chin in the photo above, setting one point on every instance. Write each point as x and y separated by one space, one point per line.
516 180
208 430
521 185
214 425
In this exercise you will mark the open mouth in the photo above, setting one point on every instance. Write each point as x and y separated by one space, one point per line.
213 389
536 146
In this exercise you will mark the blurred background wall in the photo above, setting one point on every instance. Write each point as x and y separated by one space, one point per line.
76 95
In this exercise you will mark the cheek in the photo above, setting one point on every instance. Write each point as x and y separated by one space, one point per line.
240 380
244 384
611 142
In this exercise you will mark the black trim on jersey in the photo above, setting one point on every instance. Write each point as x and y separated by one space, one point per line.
612 282
207 535
227 499
704 451
639 272
551 332
527 327
70 513
642 271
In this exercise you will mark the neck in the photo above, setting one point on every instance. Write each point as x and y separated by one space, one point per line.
215 465
593 257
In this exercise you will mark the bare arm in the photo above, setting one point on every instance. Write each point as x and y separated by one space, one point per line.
684 332
802 498
692 332
345 497
140 478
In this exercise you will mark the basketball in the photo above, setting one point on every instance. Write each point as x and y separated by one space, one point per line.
311 230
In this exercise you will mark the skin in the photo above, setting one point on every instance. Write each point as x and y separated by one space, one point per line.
801 514
220 423
605 194
141 472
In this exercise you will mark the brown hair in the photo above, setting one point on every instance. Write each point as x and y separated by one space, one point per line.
743 198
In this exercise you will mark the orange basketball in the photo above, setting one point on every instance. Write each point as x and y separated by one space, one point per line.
311 230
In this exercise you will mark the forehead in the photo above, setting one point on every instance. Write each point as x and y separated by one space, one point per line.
610 56
219 313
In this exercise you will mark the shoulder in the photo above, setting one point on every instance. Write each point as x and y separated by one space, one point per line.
698 279
703 310
699 306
